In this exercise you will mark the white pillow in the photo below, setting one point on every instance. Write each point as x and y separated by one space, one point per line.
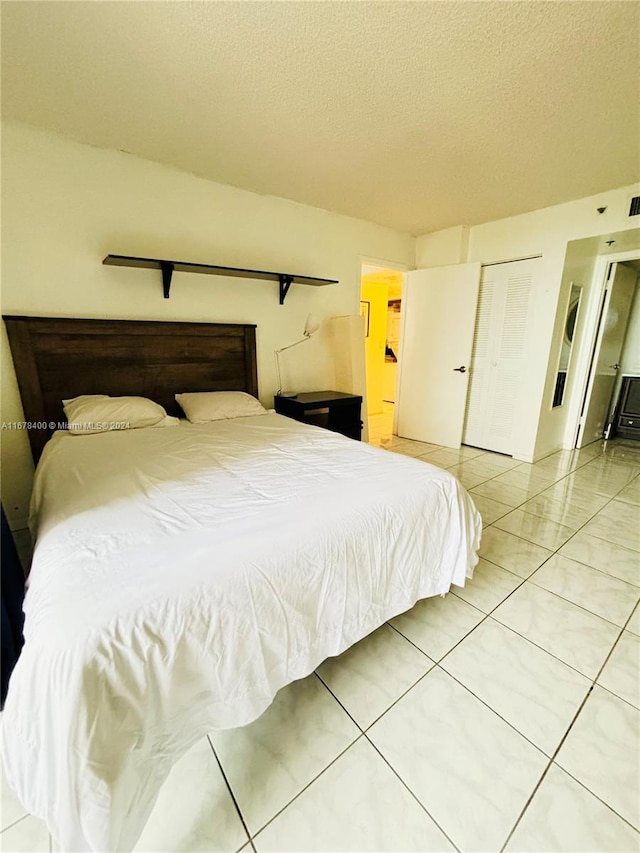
200 408
91 413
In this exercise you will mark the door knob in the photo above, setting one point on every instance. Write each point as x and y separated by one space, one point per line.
462 369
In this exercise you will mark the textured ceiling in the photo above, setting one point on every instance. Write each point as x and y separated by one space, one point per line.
416 115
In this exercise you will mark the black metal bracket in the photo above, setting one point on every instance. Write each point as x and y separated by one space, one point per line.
167 272
285 283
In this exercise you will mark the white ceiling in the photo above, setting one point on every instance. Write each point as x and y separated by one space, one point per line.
416 115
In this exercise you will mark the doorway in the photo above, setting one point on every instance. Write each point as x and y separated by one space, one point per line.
614 353
381 291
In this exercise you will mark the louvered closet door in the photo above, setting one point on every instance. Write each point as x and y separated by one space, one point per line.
498 354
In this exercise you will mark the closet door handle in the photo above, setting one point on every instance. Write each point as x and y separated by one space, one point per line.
462 369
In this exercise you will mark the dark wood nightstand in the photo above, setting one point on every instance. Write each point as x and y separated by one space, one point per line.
329 409
627 417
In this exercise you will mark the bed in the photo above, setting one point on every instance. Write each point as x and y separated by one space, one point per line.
182 576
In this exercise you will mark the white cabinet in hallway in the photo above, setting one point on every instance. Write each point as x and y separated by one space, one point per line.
498 354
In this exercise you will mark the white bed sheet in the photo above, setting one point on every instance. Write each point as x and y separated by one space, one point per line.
182 576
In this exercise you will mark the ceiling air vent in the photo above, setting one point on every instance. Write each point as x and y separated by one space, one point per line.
634 207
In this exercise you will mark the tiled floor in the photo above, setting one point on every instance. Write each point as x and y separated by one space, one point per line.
505 716
381 424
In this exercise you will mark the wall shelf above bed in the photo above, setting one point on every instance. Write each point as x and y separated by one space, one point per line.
167 268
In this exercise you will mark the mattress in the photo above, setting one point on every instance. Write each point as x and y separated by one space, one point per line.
182 576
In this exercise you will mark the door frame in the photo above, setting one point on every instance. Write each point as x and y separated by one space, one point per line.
592 320
377 262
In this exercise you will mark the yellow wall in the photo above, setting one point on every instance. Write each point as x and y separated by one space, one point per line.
395 287
377 295
378 288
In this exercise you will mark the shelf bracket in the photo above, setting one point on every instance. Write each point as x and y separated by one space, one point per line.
285 283
167 272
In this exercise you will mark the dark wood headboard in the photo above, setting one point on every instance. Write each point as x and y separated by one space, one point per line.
57 358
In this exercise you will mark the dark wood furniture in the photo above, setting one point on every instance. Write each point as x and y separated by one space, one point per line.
627 418
329 409
12 597
58 358
167 268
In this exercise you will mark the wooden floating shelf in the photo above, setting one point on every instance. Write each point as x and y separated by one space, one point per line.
168 268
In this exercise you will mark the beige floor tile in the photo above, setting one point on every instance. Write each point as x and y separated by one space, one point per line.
631 493
608 597
609 557
496 491
575 636
534 528
564 817
436 624
357 804
271 760
621 673
511 552
467 766
575 496
489 509
564 512
29 835
601 751
617 522
633 624
468 478
488 587
369 677
529 688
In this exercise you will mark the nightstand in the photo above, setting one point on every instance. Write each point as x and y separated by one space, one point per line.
627 417
329 409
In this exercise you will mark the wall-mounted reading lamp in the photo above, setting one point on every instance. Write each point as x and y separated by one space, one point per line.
310 328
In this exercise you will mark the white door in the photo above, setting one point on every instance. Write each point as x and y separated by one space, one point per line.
497 361
610 340
438 310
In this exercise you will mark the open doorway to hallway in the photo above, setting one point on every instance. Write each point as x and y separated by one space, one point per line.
381 307
615 361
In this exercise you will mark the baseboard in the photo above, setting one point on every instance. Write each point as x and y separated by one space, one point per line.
537 457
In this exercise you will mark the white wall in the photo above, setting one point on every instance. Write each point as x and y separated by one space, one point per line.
66 206
546 232
441 248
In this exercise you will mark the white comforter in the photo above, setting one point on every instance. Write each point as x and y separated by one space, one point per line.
182 577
